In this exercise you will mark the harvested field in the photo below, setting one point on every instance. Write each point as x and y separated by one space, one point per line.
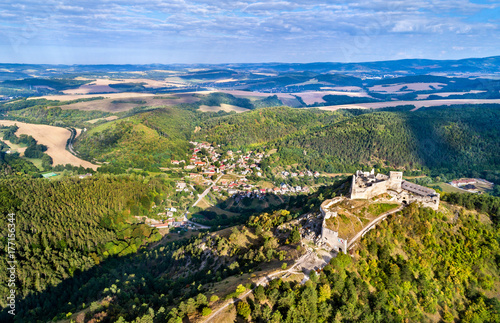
446 94
98 86
317 96
102 85
115 105
398 88
222 107
98 119
54 138
417 104
70 97
344 88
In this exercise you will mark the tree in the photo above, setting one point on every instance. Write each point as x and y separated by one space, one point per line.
325 293
259 293
206 311
240 289
295 236
201 300
243 309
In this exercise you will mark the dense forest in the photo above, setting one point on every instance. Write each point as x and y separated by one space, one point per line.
418 266
69 226
459 138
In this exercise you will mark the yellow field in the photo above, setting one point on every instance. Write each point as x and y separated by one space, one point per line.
394 88
317 96
119 104
54 138
99 119
69 97
417 104
223 107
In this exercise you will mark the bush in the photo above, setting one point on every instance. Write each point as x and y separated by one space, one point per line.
206 311
243 309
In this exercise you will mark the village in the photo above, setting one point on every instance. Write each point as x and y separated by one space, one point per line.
222 175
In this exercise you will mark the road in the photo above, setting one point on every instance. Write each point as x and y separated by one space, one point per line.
263 281
71 140
371 224
202 195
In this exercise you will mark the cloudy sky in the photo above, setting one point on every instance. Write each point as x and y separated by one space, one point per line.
229 31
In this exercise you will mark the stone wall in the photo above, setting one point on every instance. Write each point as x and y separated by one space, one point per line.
328 236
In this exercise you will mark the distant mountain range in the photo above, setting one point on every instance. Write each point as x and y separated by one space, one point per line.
487 65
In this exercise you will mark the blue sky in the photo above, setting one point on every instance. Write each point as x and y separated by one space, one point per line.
232 31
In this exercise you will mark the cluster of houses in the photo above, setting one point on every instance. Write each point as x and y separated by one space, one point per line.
243 188
168 219
212 162
307 173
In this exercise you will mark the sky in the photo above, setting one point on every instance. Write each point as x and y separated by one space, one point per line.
234 31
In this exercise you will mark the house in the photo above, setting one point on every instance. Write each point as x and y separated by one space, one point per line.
175 162
316 174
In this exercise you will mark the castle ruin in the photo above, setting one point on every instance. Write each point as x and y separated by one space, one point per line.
368 185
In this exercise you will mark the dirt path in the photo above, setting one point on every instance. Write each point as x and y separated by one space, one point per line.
263 281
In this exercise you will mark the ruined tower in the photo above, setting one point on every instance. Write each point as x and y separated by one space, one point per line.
395 180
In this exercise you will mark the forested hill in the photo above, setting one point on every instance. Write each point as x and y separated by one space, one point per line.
448 137
264 125
418 266
460 138
145 140
69 226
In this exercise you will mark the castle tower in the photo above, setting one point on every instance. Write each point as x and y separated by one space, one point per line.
395 180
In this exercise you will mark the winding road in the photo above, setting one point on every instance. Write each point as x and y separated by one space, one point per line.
263 281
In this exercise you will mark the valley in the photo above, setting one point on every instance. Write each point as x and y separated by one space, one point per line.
228 192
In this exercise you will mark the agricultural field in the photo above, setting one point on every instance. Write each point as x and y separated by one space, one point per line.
222 107
128 101
317 96
404 87
54 138
417 104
